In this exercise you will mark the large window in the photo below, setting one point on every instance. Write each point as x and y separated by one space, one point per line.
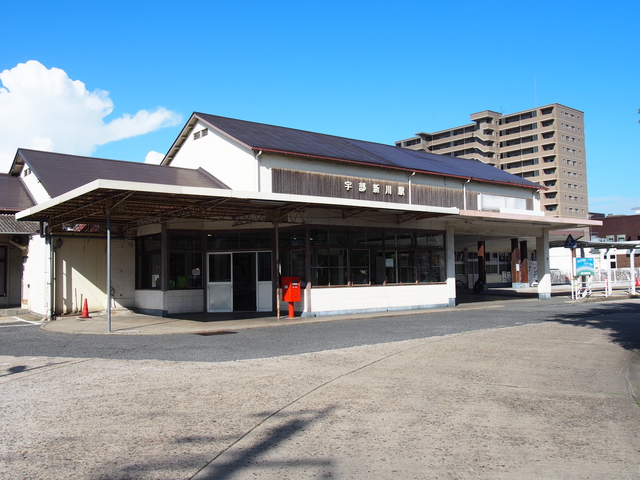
340 257
3 271
149 262
185 260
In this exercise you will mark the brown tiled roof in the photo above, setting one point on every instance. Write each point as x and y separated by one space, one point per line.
264 137
60 173
13 194
8 224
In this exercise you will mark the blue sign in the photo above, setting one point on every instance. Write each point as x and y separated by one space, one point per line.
570 242
585 266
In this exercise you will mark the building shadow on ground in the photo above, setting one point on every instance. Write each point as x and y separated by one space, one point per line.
254 457
621 321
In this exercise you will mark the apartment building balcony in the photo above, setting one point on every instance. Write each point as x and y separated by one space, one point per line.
518 130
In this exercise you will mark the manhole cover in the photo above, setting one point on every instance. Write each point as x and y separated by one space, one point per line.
217 332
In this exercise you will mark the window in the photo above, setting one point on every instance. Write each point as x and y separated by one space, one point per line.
3 271
201 133
185 260
364 257
148 262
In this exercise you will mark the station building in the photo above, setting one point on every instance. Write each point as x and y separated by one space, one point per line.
236 205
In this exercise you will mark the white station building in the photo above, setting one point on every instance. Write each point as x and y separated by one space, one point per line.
236 205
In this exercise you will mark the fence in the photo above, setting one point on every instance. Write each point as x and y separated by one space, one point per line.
606 283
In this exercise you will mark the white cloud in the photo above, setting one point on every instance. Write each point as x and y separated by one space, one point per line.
154 157
44 109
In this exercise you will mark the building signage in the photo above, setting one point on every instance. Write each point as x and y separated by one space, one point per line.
341 186
585 266
358 188
375 188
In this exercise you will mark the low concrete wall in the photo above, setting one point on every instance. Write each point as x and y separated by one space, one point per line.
341 300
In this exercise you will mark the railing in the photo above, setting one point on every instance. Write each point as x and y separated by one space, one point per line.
592 287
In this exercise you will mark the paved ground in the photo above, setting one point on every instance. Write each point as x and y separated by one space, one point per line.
538 401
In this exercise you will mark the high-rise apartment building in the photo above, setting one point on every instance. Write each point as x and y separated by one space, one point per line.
544 144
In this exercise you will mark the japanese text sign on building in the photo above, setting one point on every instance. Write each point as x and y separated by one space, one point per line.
375 188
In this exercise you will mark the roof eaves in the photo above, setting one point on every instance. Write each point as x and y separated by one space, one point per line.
179 141
212 178
200 116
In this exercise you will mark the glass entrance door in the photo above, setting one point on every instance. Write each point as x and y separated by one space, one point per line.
239 282
220 286
244 282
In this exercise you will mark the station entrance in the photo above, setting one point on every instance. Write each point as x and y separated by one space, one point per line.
240 282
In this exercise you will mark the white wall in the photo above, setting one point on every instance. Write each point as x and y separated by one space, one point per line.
170 302
34 186
331 301
81 273
232 163
36 277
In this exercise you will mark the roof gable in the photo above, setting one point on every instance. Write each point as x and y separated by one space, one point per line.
299 142
61 173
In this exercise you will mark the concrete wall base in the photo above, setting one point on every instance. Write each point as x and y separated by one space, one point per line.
373 310
152 311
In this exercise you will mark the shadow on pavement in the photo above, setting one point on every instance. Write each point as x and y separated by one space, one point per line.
225 465
248 457
622 320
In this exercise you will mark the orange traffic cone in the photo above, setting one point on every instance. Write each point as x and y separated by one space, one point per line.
637 282
85 310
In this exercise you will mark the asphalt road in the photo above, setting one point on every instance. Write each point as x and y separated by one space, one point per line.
620 318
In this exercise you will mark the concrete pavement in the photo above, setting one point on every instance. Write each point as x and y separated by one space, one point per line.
549 400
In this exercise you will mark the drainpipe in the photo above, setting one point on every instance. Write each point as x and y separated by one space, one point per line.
464 194
258 170
108 269
52 264
412 174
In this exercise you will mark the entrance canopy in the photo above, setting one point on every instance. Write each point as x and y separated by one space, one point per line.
134 204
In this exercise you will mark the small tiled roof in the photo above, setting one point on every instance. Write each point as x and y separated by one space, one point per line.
13 194
259 136
8 224
60 173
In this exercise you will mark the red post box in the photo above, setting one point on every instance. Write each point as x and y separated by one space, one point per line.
291 292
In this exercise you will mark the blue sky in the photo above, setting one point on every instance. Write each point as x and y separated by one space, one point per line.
371 70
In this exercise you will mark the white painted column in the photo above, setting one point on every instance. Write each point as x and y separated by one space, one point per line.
451 265
544 276
632 265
